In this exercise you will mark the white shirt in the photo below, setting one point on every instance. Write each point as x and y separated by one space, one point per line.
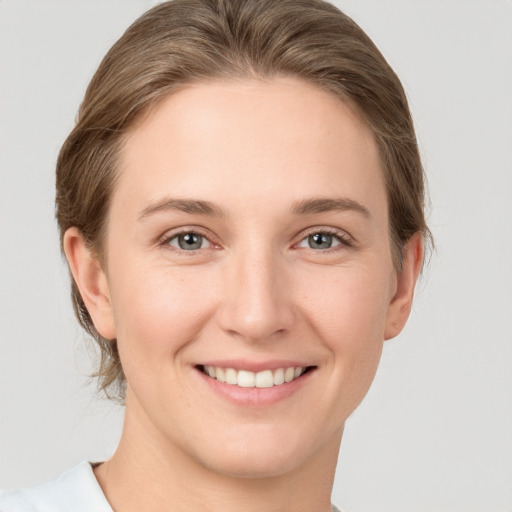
76 490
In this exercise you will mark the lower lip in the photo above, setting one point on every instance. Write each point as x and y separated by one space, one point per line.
255 396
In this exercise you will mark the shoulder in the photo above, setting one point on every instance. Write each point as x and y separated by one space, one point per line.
75 490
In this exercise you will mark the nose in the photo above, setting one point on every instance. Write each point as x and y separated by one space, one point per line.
257 304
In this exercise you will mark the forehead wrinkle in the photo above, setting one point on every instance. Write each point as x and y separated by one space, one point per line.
321 205
192 206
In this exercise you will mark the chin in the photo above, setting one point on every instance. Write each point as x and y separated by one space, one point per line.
249 465
266 451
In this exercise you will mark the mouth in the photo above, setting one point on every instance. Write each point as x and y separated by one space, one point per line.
247 379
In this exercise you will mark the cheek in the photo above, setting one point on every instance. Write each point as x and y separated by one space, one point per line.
349 304
158 311
349 312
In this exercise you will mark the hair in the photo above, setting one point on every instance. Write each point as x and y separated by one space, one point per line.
180 42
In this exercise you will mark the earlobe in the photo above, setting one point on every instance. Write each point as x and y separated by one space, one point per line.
401 302
91 281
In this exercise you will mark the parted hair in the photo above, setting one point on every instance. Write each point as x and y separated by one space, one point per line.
189 41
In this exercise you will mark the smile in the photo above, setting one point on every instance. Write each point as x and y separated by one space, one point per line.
248 379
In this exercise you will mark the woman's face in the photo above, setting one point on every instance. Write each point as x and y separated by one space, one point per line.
248 239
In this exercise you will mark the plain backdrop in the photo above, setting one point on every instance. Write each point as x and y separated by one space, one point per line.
434 433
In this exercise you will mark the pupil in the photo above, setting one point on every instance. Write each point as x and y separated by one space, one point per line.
320 241
190 241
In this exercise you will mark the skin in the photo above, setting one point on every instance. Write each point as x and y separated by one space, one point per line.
255 291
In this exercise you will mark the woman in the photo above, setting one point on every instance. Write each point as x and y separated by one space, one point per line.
241 208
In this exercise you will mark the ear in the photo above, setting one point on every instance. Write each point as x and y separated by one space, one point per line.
401 302
91 281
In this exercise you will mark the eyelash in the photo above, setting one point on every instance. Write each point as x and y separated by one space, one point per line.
165 241
345 241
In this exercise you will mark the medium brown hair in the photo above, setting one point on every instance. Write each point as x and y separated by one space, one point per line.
185 41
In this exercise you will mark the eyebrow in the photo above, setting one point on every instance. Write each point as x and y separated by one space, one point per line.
304 207
184 205
321 205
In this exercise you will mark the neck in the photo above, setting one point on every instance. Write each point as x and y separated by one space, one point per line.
149 472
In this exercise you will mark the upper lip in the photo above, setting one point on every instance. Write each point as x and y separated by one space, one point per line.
255 366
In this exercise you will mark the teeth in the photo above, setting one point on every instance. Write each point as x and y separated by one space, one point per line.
264 379
279 377
220 374
247 379
231 376
289 374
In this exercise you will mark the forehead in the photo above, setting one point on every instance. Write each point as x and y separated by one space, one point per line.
230 141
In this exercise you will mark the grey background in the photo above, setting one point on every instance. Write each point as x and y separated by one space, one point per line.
435 432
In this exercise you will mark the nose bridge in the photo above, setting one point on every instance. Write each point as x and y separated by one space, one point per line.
257 303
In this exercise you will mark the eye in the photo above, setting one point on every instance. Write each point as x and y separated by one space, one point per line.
322 240
189 241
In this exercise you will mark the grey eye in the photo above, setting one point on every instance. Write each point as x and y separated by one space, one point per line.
189 241
320 241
